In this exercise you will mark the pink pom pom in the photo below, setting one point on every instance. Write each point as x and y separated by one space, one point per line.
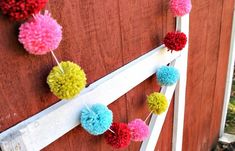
41 34
139 130
180 7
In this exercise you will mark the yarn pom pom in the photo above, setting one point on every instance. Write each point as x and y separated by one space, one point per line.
41 34
180 7
21 9
68 84
167 75
175 41
97 119
157 103
120 138
139 130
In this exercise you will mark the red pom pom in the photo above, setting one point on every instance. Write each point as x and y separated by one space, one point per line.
21 9
175 41
121 136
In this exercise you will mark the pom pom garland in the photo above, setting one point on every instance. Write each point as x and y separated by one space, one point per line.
175 41
41 34
97 119
157 103
68 84
21 9
180 7
120 138
167 75
139 130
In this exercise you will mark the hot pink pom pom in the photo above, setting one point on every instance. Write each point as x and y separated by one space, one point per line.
139 130
41 34
180 7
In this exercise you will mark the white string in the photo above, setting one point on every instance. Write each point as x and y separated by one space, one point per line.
87 107
57 61
111 131
148 116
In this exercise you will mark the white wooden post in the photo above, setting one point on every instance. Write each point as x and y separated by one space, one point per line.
180 91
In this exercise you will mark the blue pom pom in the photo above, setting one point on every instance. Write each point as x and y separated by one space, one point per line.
167 75
97 119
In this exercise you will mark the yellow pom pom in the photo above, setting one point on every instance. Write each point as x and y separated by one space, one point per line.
68 84
157 103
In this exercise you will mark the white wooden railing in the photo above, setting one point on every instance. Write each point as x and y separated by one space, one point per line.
45 127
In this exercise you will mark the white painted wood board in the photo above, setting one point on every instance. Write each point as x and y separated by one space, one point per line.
45 127
180 91
227 138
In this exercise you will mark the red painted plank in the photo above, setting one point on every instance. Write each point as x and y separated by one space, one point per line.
210 28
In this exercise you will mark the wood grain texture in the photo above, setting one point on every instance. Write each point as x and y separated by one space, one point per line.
210 28
211 51
224 48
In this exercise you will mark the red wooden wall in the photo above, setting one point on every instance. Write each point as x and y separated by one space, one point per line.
210 33
104 35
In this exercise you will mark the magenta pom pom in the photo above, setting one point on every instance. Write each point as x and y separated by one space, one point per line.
40 34
139 130
180 7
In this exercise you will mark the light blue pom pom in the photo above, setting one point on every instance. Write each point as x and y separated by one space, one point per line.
97 119
167 75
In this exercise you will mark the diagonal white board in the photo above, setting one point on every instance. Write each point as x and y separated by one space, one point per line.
156 122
